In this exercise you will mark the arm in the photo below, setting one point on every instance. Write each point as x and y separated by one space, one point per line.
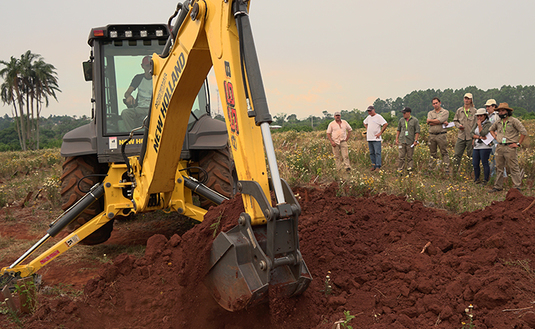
383 128
329 136
128 96
397 137
416 136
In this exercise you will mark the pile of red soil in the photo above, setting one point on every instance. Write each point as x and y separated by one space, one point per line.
376 250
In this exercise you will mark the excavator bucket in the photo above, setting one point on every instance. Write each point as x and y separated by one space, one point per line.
248 262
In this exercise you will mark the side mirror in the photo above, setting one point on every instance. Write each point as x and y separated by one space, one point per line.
88 70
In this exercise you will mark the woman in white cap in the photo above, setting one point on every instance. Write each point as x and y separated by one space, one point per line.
481 151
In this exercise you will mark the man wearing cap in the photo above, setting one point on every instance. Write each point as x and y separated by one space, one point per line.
138 107
464 120
491 106
437 119
407 139
375 126
338 133
509 132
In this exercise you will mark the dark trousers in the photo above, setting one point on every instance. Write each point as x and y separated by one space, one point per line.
483 156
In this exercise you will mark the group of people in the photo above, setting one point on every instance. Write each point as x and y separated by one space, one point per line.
481 133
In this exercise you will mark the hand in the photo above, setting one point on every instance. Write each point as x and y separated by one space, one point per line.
483 137
378 135
397 141
333 143
461 127
514 146
130 100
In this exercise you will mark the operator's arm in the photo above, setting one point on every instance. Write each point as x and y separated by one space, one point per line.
128 96
348 135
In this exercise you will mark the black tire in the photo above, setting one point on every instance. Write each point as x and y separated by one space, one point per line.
219 167
74 169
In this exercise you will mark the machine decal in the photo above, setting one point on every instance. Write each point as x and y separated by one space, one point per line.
165 97
49 257
72 241
113 143
231 108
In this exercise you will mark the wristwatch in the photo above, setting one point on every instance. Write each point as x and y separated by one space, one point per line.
518 144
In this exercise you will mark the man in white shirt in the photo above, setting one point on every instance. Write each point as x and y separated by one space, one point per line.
338 133
375 126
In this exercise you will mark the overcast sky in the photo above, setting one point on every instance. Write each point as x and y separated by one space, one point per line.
315 56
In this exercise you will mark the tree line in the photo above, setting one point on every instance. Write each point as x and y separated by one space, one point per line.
520 98
52 130
28 84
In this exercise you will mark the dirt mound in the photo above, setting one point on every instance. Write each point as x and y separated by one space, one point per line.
392 264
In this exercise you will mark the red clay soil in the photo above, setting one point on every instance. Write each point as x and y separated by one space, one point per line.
380 270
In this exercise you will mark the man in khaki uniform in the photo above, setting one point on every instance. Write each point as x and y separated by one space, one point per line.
436 118
407 139
509 133
338 133
464 119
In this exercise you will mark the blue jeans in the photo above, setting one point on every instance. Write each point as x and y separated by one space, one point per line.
375 153
483 156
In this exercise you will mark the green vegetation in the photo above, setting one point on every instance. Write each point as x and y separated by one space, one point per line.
52 130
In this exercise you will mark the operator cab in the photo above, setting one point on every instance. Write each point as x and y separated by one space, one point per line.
119 54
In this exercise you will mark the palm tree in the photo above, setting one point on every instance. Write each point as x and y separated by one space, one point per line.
29 81
11 94
45 84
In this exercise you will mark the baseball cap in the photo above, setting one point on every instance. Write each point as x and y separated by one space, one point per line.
468 95
336 113
407 109
491 102
370 108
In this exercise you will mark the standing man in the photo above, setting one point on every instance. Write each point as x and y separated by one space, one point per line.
407 139
491 106
464 119
338 133
437 119
375 126
509 132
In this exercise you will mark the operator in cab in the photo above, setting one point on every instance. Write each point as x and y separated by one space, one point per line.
138 108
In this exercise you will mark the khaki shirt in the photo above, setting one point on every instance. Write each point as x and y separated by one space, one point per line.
468 122
412 127
513 129
441 116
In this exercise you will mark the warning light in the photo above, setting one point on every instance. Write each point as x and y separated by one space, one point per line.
98 33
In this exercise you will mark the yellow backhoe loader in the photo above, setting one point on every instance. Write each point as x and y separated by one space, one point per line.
263 249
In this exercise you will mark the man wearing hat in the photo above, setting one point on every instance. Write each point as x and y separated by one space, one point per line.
509 133
375 126
491 106
138 107
407 139
464 120
338 133
436 119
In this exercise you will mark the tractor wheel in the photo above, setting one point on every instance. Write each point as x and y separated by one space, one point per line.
222 178
74 169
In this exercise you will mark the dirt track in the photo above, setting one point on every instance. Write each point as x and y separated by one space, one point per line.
373 250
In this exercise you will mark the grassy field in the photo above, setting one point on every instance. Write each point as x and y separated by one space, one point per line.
305 159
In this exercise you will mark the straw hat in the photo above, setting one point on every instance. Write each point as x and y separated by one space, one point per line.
504 106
